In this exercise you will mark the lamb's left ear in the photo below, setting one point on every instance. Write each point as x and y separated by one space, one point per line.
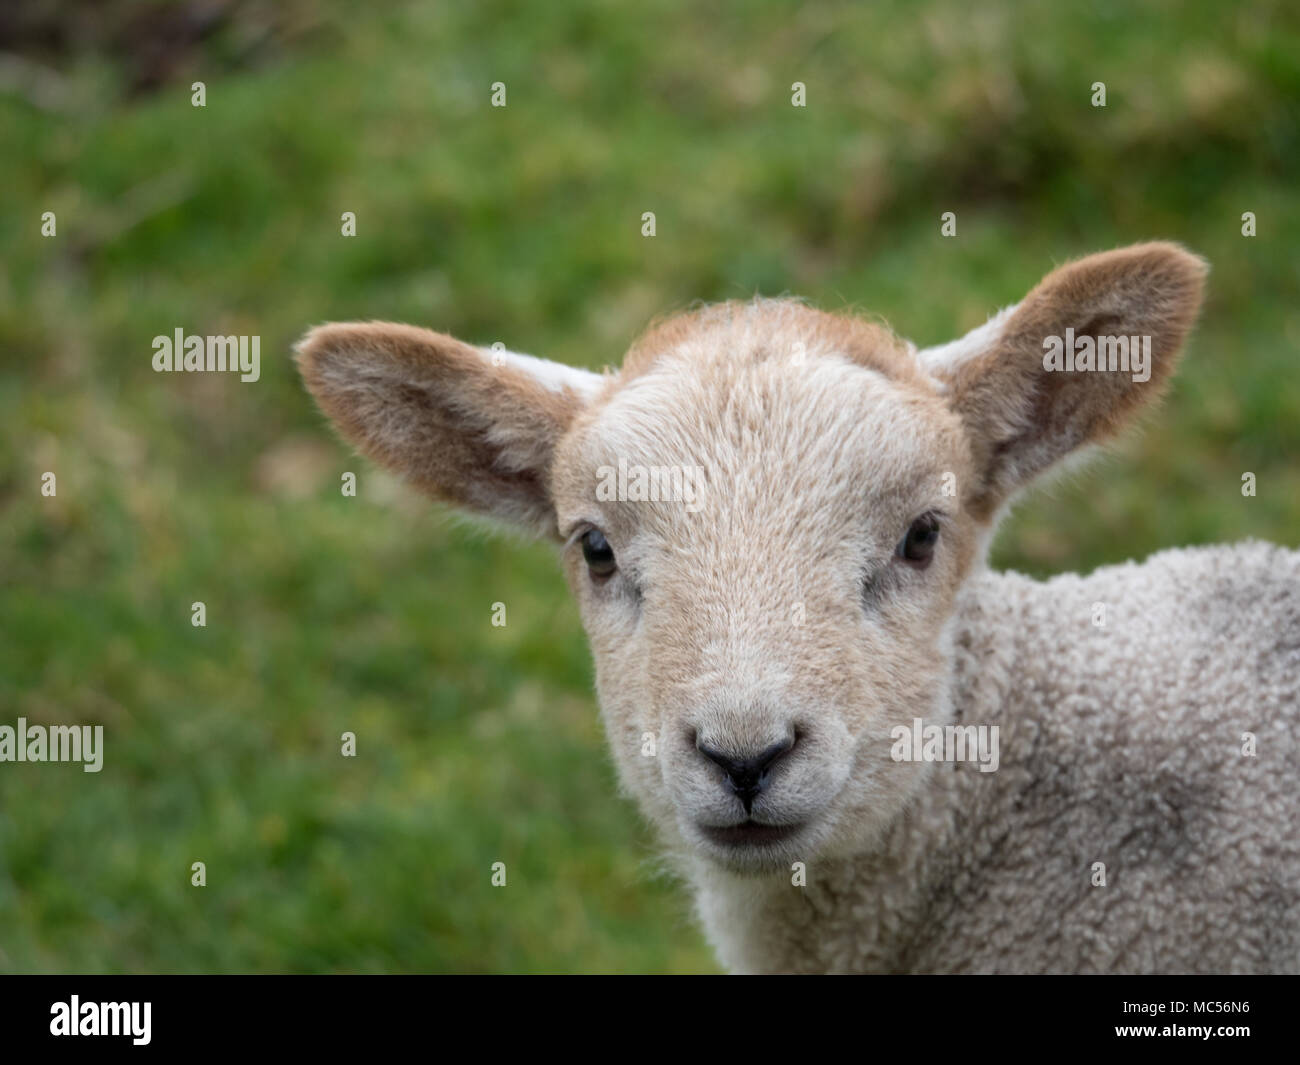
473 427
1030 385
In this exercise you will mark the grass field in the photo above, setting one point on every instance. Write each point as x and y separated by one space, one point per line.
522 224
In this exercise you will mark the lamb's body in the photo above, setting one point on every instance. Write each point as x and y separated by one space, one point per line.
757 644
1120 744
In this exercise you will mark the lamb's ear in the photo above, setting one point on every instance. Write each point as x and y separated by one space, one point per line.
473 427
1024 406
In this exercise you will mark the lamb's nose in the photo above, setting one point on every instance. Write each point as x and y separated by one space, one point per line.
747 777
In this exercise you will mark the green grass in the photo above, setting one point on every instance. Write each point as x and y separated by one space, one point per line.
479 744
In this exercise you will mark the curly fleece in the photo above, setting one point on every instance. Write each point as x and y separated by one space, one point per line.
1121 744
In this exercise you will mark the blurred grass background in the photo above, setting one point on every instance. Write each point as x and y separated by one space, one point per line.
479 744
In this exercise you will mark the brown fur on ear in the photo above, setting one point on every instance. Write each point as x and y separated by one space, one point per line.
443 414
1023 417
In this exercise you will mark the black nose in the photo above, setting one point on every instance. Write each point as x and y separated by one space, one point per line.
747 777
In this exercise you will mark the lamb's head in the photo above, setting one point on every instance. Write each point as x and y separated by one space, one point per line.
766 516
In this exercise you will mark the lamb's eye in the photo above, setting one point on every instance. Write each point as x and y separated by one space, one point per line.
598 553
917 546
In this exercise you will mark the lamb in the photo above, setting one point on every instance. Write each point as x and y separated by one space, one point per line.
761 649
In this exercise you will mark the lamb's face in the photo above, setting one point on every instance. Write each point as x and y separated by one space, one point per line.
758 633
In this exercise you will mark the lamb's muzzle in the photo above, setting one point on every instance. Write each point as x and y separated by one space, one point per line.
747 777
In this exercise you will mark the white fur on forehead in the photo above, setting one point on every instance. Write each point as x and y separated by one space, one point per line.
942 359
772 435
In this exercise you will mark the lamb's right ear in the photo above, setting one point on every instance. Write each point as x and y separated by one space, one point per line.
470 426
1025 405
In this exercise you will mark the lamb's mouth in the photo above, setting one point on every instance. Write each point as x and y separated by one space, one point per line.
749 834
